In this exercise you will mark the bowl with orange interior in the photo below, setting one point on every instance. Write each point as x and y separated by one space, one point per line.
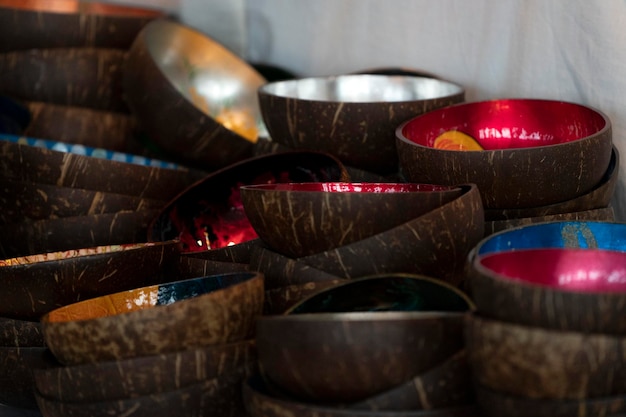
521 153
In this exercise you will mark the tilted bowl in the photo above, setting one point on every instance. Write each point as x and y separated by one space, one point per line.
534 152
300 219
156 319
351 116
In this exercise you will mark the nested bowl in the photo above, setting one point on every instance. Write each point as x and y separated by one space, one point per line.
156 319
82 77
16 375
20 333
446 385
34 285
598 198
347 357
534 152
351 116
434 244
54 235
557 288
300 219
261 401
209 214
26 202
587 304
538 363
194 98
38 24
496 404
145 375
22 162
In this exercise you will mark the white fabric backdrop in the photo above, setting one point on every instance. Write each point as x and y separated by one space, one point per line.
573 50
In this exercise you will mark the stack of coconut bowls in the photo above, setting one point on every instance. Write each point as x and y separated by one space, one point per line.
547 338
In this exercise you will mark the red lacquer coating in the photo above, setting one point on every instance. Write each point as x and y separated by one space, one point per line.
346 187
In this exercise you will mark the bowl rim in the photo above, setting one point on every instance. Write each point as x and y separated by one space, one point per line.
362 316
598 134
276 187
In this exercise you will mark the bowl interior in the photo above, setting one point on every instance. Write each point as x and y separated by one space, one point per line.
216 81
362 88
581 270
145 298
385 293
346 187
509 123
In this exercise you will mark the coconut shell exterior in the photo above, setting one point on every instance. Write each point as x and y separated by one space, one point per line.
446 385
20 333
435 244
281 271
599 197
605 214
496 404
535 305
189 267
43 236
237 254
218 317
361 135
131 378
280 300
342 360
82 77
37 165
27 202
38 27
539 363
260 403
514 178
53 284
16 378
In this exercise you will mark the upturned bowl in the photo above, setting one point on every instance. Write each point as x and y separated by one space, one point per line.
16 375
558 288
386 292
209 214
531 303
94 74
156 319
538 363
26 202
39 24
348 357
351 116
435 244
446 385
496 404
261 401
219 396
31 286
534 152
598 198
300 219
23 162
145 375
194 98
67 233
20 333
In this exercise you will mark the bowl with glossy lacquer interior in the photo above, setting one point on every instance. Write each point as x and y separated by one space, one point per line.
38 24
194 98
351 116
521 153
36 284
300 219
209 214
156 319
540 363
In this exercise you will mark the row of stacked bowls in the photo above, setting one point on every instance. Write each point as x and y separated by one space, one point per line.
274 219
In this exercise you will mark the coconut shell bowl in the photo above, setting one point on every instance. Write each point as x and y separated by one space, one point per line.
300 219
522 153
194 98
209 214
351 116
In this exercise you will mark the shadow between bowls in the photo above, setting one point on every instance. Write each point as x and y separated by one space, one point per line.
280 300
189 267
260 403
16 378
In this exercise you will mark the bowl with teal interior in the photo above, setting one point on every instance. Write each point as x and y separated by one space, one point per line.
570 289
521 153
155 319
301 219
